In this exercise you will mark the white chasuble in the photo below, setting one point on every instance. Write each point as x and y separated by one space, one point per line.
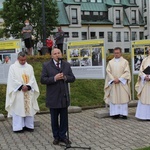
117 93
18 102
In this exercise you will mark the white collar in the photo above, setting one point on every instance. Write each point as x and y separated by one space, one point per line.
117 59
55 62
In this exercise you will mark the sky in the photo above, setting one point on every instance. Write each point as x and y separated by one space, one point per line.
1 3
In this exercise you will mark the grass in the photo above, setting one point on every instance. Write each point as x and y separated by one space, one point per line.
146 148
84 93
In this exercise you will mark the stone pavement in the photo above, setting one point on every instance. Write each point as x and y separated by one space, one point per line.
85 130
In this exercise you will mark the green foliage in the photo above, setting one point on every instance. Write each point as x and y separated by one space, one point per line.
15 12
1 33
146 148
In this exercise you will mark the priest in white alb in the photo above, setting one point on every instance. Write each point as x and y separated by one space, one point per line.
21 95
117 85
143 90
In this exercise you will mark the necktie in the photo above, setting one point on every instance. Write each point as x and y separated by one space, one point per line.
57 65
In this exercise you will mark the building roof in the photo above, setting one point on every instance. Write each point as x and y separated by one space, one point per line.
94 7
125 19
62 16
112 3
71 2
90 6
124 3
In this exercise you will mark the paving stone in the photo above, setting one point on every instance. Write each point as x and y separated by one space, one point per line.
103 133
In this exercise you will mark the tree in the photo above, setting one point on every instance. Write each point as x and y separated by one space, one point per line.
15 12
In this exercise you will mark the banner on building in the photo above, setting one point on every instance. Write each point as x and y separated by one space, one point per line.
8 55
87 58
139 52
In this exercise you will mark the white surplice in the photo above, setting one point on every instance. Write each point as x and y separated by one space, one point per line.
19 103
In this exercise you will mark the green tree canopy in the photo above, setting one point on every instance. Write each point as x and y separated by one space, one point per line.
15 12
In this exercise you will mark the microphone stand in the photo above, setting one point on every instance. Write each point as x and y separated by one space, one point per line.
67 146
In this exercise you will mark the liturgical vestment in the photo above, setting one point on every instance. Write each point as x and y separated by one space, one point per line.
143 89
117 94
18 102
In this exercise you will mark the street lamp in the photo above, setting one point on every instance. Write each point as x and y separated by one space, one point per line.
44 48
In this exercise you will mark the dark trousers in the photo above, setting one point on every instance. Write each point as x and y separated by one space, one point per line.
60 46
49 50
59 127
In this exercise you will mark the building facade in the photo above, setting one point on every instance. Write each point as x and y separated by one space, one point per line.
117 21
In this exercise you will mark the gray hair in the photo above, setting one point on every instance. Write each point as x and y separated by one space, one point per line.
22 54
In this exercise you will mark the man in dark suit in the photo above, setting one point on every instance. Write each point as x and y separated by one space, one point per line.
56 74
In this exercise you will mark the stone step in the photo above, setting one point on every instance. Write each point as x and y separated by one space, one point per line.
2 118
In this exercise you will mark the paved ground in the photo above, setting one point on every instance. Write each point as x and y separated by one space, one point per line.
85 130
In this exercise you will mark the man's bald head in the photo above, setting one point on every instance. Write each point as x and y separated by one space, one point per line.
56 54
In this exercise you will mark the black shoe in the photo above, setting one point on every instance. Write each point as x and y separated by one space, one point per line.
115 116
19 131
28 129
66 141
56 142
124 117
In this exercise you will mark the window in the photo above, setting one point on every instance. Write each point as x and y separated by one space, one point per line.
84 0
93 1
141 36
84 35
145 4
110 50
77 0
134 36
117 1
74 16
126 50
93 35
110 36
118 36
145 28
118 19
132 1
145 19
66 34
101 13
133 16
75 34
95 13
99 1
101 34
126 36
86 13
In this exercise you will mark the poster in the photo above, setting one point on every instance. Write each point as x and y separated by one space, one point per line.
87 58
10 46
8 55
6 60
139 52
